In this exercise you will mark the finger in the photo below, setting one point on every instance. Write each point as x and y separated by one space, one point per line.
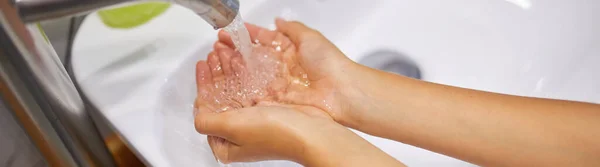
266 37
201 105
203 74
225 56
239 69
208 122
281 41
225 38
253 30
203 80
227 152
296 31
219 147
212 142
220 45
215 65
237 64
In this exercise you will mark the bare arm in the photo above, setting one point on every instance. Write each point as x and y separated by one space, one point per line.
480 127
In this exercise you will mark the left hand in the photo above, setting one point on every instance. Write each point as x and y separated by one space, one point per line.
266 132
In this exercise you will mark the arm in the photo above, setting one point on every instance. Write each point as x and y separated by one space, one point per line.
338 146
480 127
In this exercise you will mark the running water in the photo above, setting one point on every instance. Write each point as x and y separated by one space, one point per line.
262 65
240 36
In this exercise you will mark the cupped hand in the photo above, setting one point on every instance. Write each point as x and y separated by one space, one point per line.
265 132
282 117
304 53
302 134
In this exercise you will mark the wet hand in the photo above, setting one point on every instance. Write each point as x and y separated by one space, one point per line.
304 51
265 132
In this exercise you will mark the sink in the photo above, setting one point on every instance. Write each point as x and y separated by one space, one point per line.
142 79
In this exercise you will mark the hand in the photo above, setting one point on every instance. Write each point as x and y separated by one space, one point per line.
298 133
304 51
245 133
273 132
302 134
265 132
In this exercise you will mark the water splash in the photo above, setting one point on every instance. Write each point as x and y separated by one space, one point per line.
252 84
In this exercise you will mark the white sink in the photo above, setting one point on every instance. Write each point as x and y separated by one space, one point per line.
522 47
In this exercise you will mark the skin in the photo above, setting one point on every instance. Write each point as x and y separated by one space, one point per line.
301 134
483 128
265 129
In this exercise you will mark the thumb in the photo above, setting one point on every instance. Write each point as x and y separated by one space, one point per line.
223 150
208 122
296 31
218 130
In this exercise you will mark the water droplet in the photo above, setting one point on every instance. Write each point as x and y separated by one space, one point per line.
327 105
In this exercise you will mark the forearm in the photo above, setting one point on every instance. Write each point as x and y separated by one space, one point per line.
480 127
342 147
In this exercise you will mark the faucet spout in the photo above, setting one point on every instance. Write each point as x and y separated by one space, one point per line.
217 13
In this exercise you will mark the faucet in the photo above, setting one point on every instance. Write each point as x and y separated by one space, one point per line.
37 88
218 13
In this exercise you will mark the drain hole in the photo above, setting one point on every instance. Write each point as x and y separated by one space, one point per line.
392 61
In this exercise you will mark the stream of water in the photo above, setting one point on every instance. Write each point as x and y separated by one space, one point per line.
240 36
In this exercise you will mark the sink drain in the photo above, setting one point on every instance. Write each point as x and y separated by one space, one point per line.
392 61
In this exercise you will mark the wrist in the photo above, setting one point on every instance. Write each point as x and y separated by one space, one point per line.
327 147
351 94
339 146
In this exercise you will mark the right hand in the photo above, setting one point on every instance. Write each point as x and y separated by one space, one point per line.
324 63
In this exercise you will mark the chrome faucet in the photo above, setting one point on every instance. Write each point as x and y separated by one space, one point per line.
218 13
38 89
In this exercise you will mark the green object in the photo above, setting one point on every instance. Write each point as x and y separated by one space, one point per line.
133 15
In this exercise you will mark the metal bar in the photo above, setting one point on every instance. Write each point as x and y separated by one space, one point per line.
31 117
21 101
218 13
38 10
41 76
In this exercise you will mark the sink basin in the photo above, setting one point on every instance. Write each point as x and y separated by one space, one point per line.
142 79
